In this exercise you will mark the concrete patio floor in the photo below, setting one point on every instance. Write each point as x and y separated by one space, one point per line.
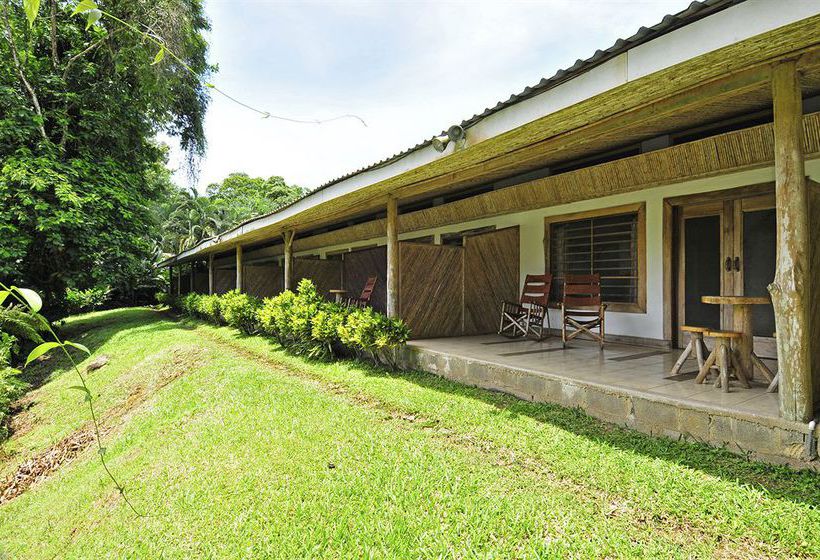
625 385
639 368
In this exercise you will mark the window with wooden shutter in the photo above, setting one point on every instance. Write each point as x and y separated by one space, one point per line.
608 242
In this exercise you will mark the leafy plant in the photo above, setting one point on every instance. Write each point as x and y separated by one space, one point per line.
164 298
210 308
239 310
32 302
86 300
308 324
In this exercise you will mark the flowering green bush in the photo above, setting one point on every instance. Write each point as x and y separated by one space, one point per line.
304 322
189 303
239 310
209 308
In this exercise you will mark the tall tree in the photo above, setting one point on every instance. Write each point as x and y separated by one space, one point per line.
188 217
243 197
79 110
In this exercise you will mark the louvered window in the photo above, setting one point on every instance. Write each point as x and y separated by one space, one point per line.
607 245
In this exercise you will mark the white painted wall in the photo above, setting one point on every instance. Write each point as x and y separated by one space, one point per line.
531 224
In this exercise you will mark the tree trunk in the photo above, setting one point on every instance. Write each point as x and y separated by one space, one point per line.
791 289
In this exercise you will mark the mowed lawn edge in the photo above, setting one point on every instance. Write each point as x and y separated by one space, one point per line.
548 481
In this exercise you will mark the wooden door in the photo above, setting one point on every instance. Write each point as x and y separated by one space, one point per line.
491 275
726 247
704 245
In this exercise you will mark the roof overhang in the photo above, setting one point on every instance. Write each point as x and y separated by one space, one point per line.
709 69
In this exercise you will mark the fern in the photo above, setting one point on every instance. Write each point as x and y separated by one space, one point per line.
22 325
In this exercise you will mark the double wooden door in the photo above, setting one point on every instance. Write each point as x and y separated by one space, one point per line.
726 247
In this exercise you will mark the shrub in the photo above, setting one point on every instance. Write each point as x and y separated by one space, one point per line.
239 310
164 298
189 303
373 335
208 308
86 300
11 388
307 324
304 322
274 316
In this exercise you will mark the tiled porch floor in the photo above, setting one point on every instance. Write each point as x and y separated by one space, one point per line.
638 368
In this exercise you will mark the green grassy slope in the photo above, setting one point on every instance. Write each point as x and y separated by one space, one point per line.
234 449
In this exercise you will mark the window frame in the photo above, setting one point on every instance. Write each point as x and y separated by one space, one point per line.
638 306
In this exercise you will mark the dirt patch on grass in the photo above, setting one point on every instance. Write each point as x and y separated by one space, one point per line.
42 465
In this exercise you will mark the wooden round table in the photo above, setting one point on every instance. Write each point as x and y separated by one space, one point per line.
338 294
742 320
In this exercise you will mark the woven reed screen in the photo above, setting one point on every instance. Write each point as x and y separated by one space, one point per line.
262 280
326 274
224 280
431 289
359 266
201 282
491 262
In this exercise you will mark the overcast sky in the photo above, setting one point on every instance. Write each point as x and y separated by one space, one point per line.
409 69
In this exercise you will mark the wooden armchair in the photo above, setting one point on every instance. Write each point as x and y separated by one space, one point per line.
582 309
364 299
526 317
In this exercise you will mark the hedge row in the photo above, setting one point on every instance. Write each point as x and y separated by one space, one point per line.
303 322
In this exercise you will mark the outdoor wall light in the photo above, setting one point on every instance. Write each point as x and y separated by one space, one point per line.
454 134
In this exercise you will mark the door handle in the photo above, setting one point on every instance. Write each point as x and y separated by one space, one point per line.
728 264
737 264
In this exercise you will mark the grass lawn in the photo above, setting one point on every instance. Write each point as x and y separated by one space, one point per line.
234 449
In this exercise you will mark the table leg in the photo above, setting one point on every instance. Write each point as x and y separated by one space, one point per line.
742 320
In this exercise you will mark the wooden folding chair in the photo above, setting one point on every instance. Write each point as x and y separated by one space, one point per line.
582 308
367 292
526 317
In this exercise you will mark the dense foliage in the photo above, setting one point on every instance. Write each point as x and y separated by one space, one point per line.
18 331
79 167
89 299
303 322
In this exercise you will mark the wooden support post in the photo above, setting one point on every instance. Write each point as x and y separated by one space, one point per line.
288 236
191 276
791 288
392 257
239 268
170 280
210 274
179 280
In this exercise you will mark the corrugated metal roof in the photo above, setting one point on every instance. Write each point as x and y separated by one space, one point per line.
694 12
670 22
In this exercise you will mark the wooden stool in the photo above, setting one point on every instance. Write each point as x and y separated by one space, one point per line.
775 379
696 344
723 355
